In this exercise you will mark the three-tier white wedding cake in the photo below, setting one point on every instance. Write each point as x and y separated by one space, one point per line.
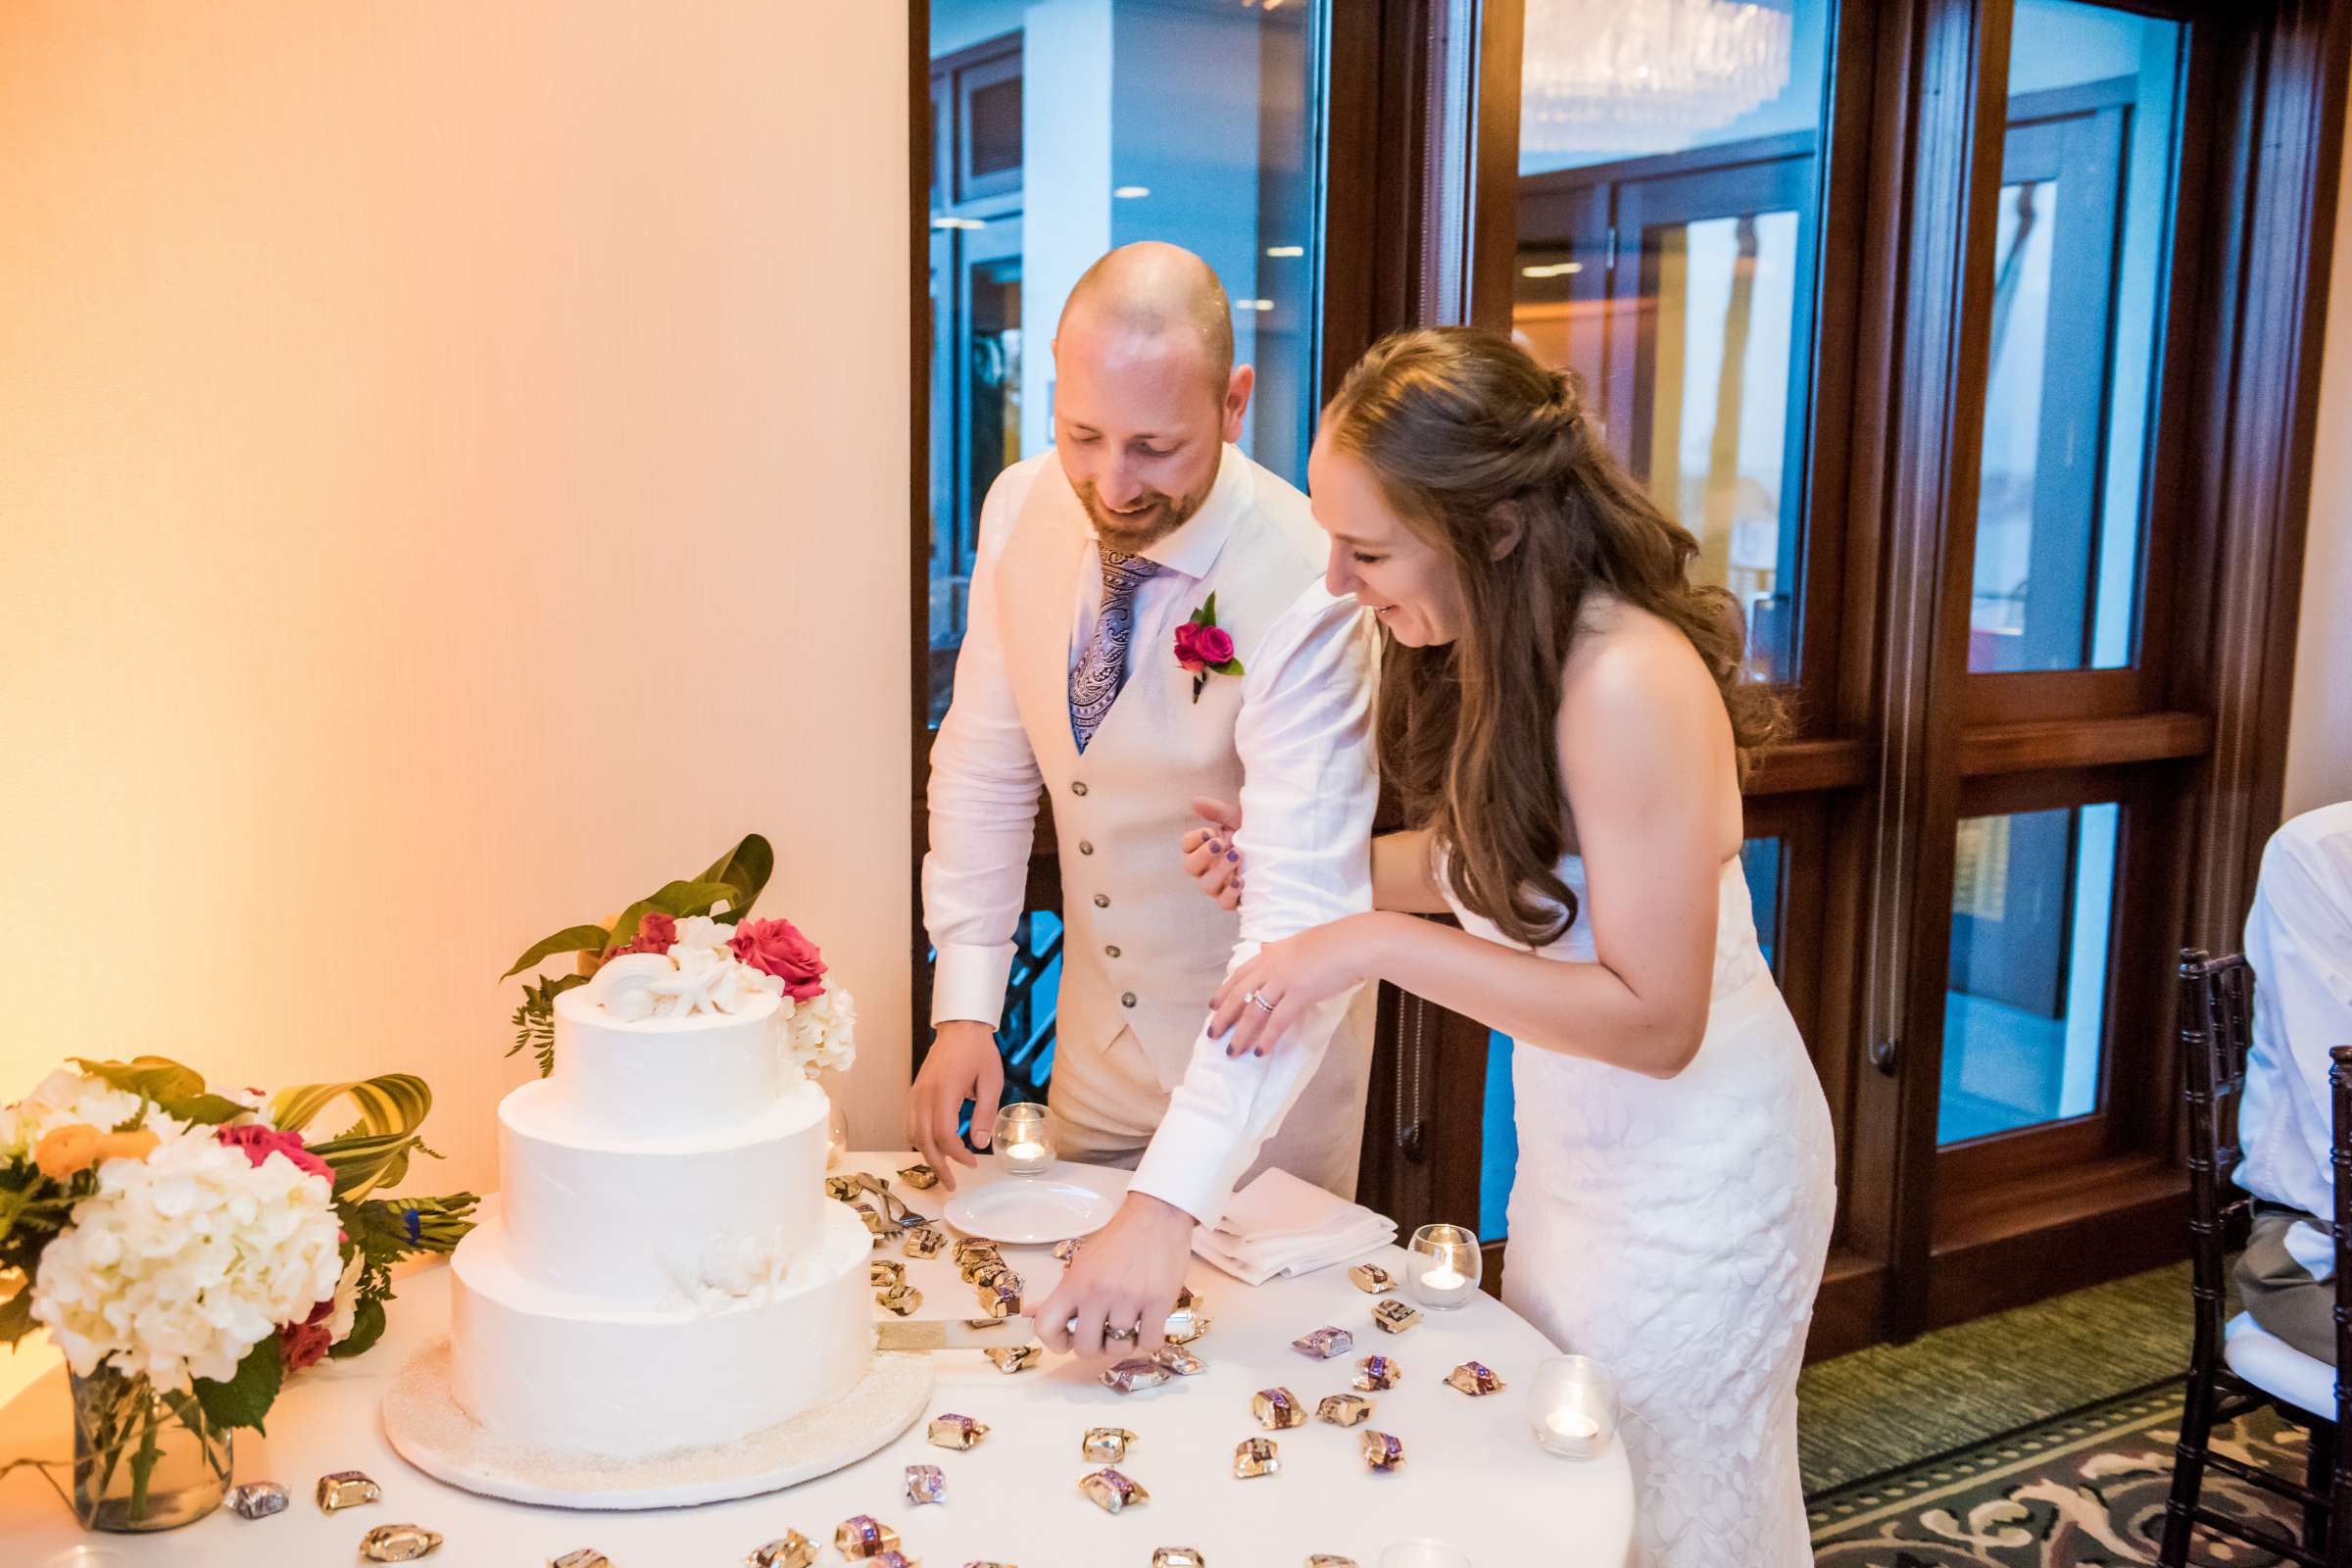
665 1271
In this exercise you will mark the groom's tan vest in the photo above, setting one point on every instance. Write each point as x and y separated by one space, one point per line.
1142 949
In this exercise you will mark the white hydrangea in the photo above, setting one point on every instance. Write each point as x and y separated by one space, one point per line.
824 1031
66 1098
180 1264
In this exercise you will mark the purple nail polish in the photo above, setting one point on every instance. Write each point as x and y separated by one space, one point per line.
1233 854
1215 847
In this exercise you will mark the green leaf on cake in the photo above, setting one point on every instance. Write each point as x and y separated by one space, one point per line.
180 1091
245 1398
746 868
675 899
571 938
15 1315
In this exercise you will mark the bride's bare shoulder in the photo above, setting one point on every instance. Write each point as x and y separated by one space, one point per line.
1624 649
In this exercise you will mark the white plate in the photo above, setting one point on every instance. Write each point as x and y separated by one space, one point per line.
1037 1210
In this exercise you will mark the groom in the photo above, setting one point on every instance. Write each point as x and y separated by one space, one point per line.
1090 668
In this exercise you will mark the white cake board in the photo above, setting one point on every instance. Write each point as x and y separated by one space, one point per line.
430 1431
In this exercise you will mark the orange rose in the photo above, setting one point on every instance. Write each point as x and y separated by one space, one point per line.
137 1144
64 1150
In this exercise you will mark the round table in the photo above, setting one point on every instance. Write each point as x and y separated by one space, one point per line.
1472 1475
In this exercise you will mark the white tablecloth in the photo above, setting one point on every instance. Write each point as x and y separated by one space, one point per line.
1472 1475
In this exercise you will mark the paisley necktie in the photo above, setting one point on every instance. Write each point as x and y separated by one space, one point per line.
1103 669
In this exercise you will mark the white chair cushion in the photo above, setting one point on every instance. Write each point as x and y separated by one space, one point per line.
2277 1368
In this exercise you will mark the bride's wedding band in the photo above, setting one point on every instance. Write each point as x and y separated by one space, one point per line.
1262 1004
1125 1336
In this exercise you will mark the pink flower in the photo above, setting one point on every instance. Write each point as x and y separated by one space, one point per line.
778 948
1214 645
260 1143
1188 646
302 1345
655 932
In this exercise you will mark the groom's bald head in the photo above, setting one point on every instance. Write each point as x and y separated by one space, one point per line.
1158 292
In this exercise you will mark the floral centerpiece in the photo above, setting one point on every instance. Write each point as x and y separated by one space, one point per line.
189 1251
689 947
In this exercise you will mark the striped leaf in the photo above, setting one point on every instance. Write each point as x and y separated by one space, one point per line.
375 1151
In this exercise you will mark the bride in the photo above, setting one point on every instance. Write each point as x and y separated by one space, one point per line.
1562 715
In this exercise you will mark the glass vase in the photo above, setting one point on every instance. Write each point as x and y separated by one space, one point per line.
143 1460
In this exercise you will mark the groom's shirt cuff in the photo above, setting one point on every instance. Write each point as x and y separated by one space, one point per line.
968 982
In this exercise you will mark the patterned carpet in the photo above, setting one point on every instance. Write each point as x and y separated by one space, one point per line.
2080 1489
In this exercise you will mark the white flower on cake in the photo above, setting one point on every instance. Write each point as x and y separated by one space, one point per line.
677 984
823 1031
180 1264
63 1098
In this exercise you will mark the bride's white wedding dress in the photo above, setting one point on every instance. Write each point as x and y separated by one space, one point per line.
1675 1230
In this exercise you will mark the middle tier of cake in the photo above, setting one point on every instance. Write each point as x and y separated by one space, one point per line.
662 1220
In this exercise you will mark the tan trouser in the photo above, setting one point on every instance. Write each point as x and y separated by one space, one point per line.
2279 1293
1106 1104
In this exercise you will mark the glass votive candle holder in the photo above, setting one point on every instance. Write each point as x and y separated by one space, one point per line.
1424 1555
1023 1143
1444 1270
1572 1406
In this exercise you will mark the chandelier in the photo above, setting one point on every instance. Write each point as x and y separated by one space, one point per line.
1646 76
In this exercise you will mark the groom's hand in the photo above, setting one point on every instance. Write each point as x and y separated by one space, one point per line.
962 1065
1128 1273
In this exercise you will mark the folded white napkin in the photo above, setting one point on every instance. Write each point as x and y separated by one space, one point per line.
1279 1224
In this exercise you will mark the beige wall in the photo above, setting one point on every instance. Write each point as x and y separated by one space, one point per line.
2318 750
452 478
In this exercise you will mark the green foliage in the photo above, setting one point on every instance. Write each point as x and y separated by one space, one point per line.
245 1398
180 1091
534 1020
675 899
375 1151
16 1313
746 867
571 938
368 1324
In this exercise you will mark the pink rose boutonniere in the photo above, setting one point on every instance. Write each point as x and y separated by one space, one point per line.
1204 649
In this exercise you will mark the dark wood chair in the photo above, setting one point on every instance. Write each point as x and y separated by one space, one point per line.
2236 1367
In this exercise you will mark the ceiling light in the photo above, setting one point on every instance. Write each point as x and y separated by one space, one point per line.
1554 270
1286 250
1128 193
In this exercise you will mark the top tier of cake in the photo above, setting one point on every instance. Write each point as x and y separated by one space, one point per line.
666 1077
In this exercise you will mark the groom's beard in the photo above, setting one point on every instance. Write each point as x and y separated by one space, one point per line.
1133 532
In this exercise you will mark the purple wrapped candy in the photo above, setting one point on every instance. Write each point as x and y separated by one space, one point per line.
1381 1452
863 1536
1000 1301
1112 1492
257 1499
1475 1378
1277 1408
1137 1372
893 1559
1375 1374
1324 1344
926 1483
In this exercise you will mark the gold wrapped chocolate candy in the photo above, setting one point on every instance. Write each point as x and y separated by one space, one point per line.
1178 1557
585 1557
926 1483
1372 1279
901 1298
347 1489
1394 1316
882 1273
1011 1359
1134 1373
922 1177
257 1499
881 1228
1179 1360
838 1188
1344 1409
397 1543
1381 1452
1475 1378
792 1549
863 1536
967 1246
1187 1320
1277 1408
1112 1492
1105 1444
955 1432
972 1266
1324 1344
924 1241
1376 1374
994 1272
1000 1301
1066 1250
1254 1458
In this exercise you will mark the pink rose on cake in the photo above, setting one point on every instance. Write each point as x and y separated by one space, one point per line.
655 932
777 948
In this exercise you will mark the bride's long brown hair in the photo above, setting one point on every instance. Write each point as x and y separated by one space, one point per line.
1470 441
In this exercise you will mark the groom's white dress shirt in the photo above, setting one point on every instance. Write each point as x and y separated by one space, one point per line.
1142 949
2299 943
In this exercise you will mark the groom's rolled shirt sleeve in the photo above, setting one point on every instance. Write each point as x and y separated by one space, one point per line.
1309 786
983 796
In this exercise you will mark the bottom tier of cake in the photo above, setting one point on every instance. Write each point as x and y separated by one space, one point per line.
555 1370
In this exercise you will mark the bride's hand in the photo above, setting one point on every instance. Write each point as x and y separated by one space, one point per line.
1210 854
1260 1002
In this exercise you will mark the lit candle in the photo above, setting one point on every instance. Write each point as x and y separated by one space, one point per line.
1025 1152
1573 1424
1444 1278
